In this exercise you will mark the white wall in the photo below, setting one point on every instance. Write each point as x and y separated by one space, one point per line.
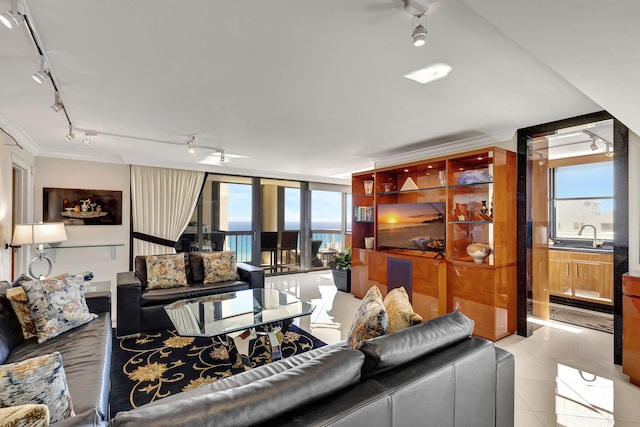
59 173
11 154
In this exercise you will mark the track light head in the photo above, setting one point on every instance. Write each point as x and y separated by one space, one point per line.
222 157
609 151
191 144
11 18
57 104
87 139
593 145
70 135
40 76
419 35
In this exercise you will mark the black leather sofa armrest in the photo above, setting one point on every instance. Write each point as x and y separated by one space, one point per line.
251 274
505 388
128 295
99 302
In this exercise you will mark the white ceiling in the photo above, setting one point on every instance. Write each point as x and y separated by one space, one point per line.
308 89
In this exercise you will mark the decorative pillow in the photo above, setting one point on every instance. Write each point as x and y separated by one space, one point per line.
220 267
20 304
370 320
399 310
57 305
37 380
29 415
166 271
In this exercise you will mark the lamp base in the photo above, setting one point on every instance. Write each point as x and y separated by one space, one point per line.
42 257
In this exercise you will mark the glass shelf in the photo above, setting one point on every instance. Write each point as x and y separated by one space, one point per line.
471 222
475 184
54 249
412 191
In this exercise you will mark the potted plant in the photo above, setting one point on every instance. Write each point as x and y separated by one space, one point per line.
341 270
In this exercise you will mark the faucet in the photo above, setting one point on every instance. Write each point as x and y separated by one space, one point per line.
595 234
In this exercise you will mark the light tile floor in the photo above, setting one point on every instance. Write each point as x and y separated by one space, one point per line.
565 375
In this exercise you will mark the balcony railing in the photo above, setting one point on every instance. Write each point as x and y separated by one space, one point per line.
241 242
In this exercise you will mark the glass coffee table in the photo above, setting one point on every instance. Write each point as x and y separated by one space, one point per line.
237 313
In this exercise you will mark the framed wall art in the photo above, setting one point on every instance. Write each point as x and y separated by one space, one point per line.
82 207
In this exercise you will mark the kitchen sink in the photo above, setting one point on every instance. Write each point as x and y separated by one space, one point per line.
581 246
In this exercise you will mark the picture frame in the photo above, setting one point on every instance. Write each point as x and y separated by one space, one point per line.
82 206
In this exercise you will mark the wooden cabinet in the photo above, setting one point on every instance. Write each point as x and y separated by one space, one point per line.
362 200
428 279
581 275
631 326
481 211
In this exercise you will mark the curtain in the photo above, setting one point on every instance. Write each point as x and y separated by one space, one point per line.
162 203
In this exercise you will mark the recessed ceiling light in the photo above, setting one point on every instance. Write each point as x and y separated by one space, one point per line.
429 74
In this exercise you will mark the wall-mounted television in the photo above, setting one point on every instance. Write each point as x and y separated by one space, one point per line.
417 226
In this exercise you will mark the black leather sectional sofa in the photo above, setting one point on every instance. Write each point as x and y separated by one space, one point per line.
433 374
86 357
141 309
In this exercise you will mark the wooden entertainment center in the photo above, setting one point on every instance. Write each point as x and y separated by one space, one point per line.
477 192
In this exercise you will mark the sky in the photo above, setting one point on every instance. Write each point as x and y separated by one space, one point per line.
325 205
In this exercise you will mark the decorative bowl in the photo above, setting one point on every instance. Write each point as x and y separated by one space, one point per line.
473 177
478 251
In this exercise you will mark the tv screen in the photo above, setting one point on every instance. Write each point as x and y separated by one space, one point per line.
418 226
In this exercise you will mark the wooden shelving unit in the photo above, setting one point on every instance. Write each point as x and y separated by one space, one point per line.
480 212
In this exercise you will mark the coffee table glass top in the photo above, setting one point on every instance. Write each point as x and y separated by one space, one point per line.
220 314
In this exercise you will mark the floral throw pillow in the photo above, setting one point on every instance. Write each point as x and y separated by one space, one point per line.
57 305
39 380
399 310
20 304
29 415
219 267
166 271
370 320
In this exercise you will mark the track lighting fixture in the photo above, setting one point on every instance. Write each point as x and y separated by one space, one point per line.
57 105
419 34
70 135
191 144
593 145
40 76
87 139
608 150
222 157
11 18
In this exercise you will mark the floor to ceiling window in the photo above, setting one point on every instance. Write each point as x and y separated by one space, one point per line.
262 220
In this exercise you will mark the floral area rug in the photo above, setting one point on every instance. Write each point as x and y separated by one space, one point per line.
161 363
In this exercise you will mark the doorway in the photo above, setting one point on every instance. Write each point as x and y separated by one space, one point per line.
572 222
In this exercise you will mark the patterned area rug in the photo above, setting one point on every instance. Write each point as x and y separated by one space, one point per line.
158 364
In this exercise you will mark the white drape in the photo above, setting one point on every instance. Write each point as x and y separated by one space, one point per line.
163 201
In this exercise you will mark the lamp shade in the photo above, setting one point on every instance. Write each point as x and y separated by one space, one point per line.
35 234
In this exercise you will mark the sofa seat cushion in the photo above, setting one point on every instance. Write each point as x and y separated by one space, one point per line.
256 401
388 351
86 356
154 297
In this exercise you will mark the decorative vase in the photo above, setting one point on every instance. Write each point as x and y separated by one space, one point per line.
368 187
479 252
484 208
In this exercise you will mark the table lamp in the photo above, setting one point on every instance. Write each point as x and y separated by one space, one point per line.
39 234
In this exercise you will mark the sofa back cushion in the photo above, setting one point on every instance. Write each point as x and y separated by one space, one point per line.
140 267
10 329
255 402
388 351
